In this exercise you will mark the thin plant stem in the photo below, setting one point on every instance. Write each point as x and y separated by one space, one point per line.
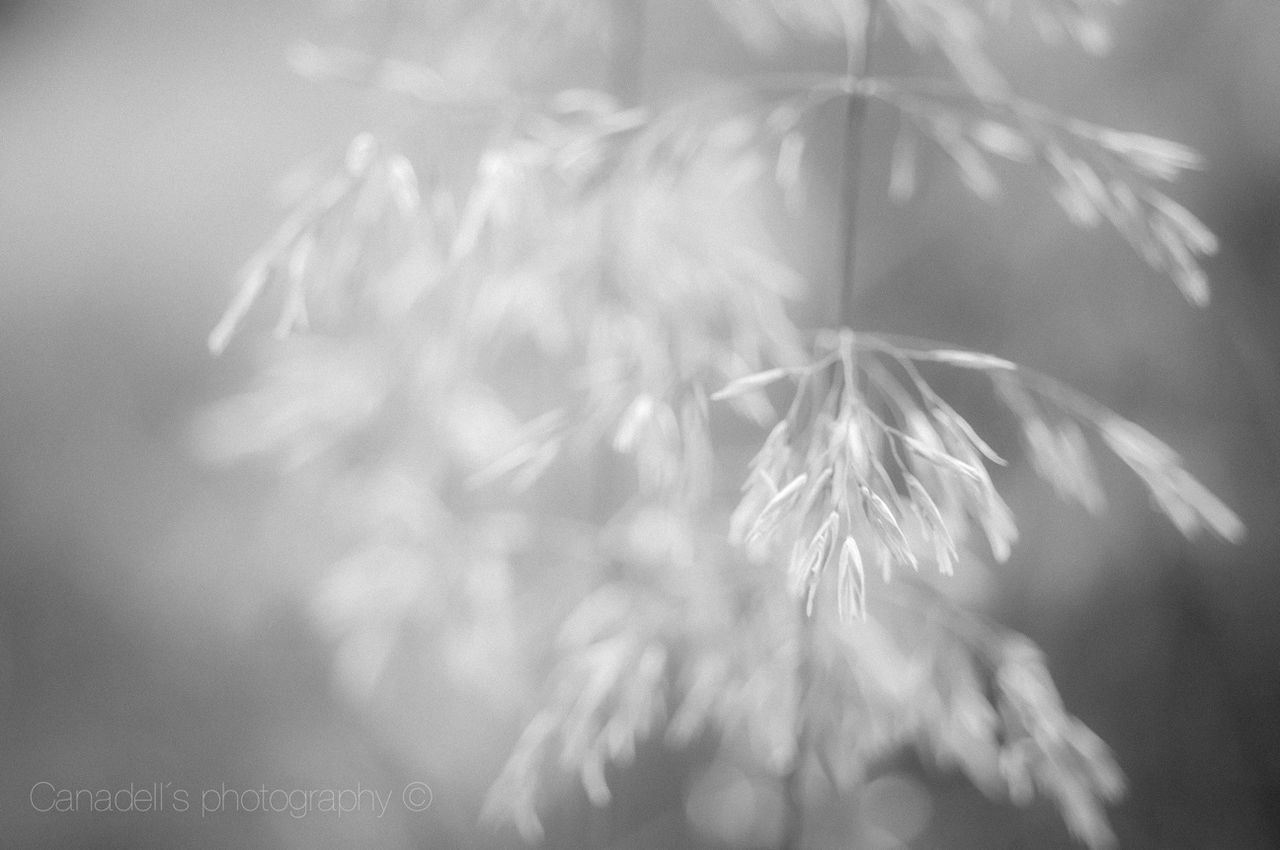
793 782
625 72
858 65
625 66
626 61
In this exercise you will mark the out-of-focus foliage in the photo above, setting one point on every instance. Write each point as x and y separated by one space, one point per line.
604 275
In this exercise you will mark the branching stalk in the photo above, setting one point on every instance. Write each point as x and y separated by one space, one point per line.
858 66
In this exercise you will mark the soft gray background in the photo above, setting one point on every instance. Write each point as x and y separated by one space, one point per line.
150 626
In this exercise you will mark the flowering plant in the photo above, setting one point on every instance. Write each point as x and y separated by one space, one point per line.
455 357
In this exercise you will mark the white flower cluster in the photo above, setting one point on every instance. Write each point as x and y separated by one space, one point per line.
614 259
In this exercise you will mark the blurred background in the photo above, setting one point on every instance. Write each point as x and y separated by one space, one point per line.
153 622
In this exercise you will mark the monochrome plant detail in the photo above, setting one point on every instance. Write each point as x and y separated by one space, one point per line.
606 284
